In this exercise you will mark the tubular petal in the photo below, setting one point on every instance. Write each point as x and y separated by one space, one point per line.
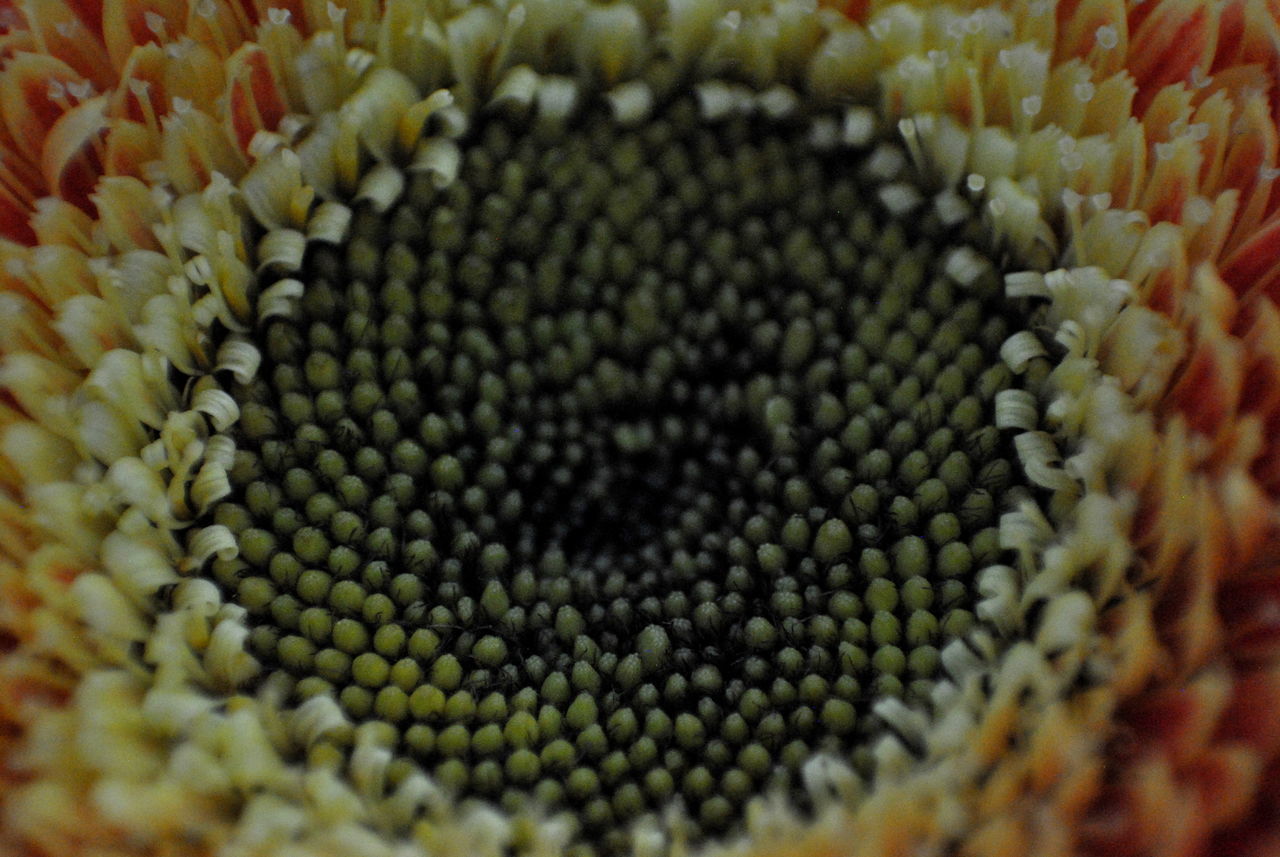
253 94
1176 38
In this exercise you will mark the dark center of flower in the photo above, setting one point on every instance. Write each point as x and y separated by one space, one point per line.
634 466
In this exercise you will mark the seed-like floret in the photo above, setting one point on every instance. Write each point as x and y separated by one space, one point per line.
632 466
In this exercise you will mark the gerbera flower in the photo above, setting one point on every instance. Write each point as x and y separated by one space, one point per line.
434 427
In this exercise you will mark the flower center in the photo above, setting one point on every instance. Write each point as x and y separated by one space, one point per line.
635 465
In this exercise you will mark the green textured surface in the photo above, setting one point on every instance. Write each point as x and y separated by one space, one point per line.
635 465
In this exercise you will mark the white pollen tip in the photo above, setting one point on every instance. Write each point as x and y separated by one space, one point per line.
885 163
631 102
824 134
1198 210
900 199
859 126
964 265
951 208
778 102
717 100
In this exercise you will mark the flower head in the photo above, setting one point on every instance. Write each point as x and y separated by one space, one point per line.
561 427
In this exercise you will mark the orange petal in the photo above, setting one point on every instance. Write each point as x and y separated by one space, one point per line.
857 10
15 218
1111 105
1252 267
1169 110
1165 523
1213 114
1245 34
1227 779
130 146
1136 647
1174 38
57 221
1260 838
195 73
1187 615
1249 164
1139 813
1261 394
128 23
1179 721
224 26
1078 25
1173 181
1208 388
68 161
1002 836
72 32
253 94
11 17
1261 336
1254 530
1250 718
141 94
1251 610
1231 34
194 147
26 105
1128 178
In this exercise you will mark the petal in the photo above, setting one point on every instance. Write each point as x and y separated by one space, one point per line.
1254 266
70 167
26 105
1175 38
1093 30
71 31
253 94
128 23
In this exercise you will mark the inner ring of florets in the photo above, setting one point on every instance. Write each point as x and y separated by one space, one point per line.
634 465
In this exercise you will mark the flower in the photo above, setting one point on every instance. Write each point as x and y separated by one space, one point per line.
393 392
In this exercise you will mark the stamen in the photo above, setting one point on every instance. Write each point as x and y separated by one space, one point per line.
141 91
157 25
208 11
